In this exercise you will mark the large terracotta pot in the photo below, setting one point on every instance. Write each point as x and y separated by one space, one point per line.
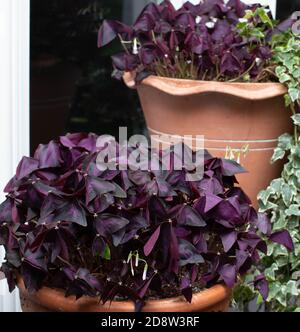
234 115
213 299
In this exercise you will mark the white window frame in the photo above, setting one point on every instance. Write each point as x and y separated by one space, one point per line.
14 104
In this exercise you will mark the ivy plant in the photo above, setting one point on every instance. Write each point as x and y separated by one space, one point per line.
282 198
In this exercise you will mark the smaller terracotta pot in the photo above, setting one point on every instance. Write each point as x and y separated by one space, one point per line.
214 299
228 115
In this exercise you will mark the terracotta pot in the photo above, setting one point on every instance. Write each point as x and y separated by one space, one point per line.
214 299
52 89
232 115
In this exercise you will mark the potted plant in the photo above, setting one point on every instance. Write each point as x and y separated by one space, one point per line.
78 238
209 69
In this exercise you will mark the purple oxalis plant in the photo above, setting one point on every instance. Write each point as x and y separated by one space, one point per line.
201 41
133 234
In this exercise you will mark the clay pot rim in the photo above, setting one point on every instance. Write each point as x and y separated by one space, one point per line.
184 87
55 299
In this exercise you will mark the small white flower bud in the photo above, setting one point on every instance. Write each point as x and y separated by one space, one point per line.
210 25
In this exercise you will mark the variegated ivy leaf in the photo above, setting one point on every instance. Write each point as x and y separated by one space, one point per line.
296 118
294 94
293 210
285 142
270 272
278 154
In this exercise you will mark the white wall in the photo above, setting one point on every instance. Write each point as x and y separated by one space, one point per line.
14 103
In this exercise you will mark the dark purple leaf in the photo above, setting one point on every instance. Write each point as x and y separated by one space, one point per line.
125 62
48 155
186 289
150 244
228 240
188 254
228 274
284 238
98 246
97 187
264 224
190 217
6 211
110 30
261 284
108 224
211 201
26 167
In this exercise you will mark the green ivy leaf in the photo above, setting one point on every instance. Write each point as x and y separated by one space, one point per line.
293 210
296 73
294 94
291 288
270 272
287 194
285 142
296 119
262 13
280 70
287 100
284 78
274 289
278 154
249 14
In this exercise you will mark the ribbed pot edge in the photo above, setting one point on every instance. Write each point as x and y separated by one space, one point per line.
55 300
183 87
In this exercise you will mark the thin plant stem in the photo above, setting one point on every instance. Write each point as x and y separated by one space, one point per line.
123 44
244 73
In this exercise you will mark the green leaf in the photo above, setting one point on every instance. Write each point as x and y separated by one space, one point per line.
284 78
287 100
280 222
278 154
287 194
259 299
107 254
296 119
297 173
296 73
248 14
294 94
280 70
281 298
264 195
274 289
270 272
257 33
285 142
291 288
262 13
242 25
293 210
